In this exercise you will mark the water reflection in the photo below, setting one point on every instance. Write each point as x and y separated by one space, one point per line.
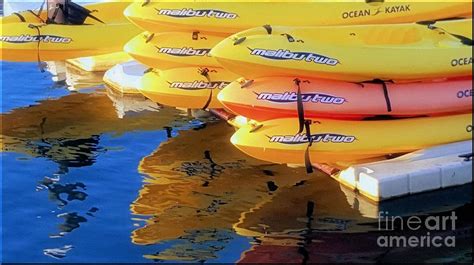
71 222
440 200
197 185
83 151
58 253
72 78
196 246
130 104
199 196
56 189
336 231
198 182
67 130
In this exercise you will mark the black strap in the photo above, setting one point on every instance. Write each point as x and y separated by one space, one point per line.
205 72
40 66
304 124
431 25
169 131
36 15
95 18
307 159
299 106
385 90
385 94
208 102
22 18
41 7
307 127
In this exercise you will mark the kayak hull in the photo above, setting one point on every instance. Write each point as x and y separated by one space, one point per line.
173 49
232 16
186 87
336 141
399 52
272 98
20 43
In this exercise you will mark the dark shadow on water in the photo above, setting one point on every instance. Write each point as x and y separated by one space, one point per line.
68 153
71 222
70 191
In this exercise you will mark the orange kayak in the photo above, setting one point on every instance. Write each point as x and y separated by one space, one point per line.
276 97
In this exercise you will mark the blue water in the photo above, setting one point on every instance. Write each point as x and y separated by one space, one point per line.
33 217
80 184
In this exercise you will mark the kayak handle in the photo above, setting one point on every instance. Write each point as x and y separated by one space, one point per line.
374 1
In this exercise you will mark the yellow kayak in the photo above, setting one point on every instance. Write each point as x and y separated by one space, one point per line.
334 141
351 53
233 16
186 87
24 37
173 49
24 42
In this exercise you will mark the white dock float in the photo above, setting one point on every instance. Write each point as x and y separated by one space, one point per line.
99 63
424 170
125 77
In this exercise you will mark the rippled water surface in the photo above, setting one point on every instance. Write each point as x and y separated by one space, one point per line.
90 175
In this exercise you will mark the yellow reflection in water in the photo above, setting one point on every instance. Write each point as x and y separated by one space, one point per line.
74 118
198 182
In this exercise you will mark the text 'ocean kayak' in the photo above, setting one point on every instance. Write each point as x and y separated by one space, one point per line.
233 16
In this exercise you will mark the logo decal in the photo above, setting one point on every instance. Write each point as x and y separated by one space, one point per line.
322 137
288 97
189 12
197 85
297 56
185 51
37 38
461 61
465 93
376 11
